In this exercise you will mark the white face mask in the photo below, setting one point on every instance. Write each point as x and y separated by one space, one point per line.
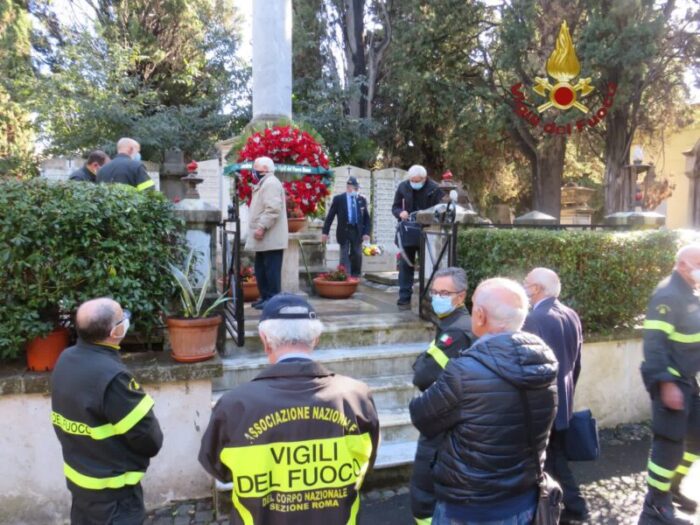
695 275
125 324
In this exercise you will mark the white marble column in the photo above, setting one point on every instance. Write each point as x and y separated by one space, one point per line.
272 59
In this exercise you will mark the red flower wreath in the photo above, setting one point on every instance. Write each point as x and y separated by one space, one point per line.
288 145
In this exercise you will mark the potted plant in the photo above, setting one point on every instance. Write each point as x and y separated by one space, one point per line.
336 284
192 334
296 220
249 284
43 350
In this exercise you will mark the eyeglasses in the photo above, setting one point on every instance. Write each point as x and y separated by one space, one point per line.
443 293
126 318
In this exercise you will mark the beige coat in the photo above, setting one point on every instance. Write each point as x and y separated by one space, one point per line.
268 210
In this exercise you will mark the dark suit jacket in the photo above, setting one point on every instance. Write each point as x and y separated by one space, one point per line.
339 207
560 327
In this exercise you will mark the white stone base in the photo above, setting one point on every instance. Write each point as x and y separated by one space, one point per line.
290 265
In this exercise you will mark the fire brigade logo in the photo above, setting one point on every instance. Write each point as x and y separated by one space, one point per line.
563 66
563 94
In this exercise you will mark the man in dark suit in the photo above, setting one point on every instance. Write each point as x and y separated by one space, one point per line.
560 327
353 226
88 173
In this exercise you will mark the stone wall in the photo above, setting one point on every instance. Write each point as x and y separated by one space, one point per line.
610 383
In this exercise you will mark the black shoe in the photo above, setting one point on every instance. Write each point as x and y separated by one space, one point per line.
568 516
259 306
684 502
257 303
659 511
404 305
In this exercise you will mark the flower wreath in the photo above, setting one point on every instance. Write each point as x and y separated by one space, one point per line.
288 144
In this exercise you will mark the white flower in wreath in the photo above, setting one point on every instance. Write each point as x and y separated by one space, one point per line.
256 139
308 186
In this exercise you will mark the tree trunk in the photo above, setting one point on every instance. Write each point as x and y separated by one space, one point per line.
618 184
353 34
547 175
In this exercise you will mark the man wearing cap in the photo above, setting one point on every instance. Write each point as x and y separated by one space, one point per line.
298 440
353 226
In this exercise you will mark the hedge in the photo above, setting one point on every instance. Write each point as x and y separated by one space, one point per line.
64 243
606 276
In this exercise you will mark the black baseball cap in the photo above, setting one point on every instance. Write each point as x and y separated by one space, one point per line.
352 181
287 306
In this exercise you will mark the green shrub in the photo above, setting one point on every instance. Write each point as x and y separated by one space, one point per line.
606 276
64 243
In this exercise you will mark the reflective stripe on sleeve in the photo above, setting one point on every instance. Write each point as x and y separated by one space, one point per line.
670 330
665 327
107 430
114 482
437 354
673 371
145 185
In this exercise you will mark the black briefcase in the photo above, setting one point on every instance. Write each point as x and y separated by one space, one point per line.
582 442
408 234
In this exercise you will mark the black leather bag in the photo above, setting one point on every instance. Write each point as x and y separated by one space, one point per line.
408 234
582 442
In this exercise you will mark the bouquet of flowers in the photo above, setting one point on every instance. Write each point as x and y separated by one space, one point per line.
247 274
340 274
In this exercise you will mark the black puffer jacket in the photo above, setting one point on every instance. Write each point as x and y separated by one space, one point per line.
485 457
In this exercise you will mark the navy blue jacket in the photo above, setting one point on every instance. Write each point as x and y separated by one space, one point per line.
339 207
484 458
560 327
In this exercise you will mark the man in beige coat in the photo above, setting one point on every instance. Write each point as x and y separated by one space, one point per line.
267 234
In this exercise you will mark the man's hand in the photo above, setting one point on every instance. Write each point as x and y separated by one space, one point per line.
365 238
671 395
403 215
324 238
259 234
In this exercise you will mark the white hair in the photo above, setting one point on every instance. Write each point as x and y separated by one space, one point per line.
266 162
504 301
417 171
687 251
547 279
125 143
292 332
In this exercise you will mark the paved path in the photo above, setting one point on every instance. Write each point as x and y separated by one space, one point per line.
614 486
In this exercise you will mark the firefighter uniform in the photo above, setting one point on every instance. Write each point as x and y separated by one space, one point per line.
296 442
107 430
672 353
453 335
123 170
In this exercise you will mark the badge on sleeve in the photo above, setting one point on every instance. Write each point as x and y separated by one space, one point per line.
134 386
446 340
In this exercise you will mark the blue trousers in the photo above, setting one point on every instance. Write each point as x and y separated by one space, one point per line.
441 517
406 275
268 272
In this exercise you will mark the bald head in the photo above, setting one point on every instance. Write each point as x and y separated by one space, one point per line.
687 260
542 283
499 305
96 318
128 146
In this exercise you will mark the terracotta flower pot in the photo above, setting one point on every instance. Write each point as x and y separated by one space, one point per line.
193 340
295 224
250 291
43 352
336 289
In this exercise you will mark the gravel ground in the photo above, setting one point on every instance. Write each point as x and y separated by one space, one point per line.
614 487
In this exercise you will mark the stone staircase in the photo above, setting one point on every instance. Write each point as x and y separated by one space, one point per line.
365 338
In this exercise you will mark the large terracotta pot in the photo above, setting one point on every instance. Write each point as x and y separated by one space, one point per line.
250 291
336 289
193 340
295 224
43 352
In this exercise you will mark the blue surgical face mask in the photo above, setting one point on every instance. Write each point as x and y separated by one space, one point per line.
417 185
354 193
136 156
442 305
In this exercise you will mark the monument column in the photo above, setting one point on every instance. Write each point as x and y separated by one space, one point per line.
272 60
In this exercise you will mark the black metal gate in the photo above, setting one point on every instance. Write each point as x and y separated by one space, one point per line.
230 230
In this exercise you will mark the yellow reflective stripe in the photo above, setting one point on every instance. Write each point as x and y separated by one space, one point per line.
663 487
108 429
682 470
656 469
145 185
352 520
423 521
437 354
685 338
88 482
673 371
658 325
243 512
690 458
